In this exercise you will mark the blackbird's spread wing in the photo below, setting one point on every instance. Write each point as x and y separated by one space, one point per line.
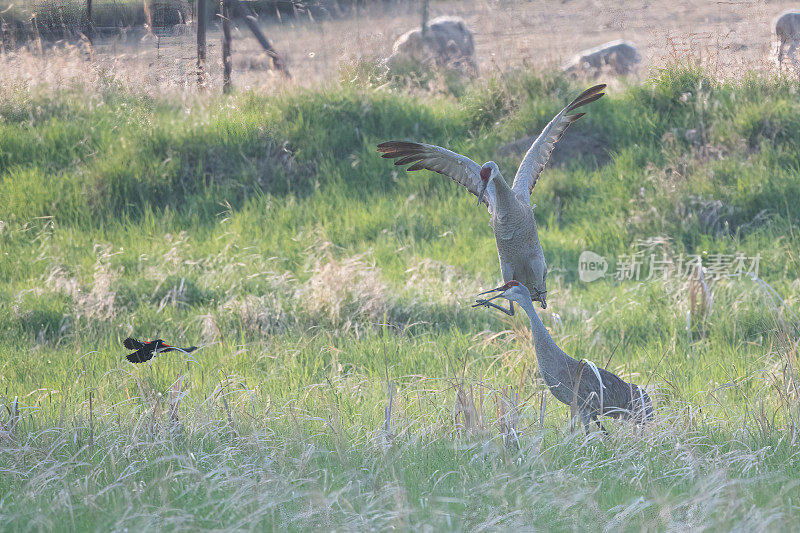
147 350
132 344
140 356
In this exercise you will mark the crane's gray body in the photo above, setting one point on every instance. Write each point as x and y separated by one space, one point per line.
516 234
517 237
564 374
588 390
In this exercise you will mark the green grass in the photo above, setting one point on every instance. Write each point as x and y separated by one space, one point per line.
313 274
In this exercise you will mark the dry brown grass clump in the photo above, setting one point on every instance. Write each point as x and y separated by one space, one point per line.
344 291
450 283
262 315
99 301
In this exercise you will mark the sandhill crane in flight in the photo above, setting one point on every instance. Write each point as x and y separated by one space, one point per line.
599 392
515 231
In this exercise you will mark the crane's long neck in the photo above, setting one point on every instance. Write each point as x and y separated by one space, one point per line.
541 338
509 211
503 194
556 367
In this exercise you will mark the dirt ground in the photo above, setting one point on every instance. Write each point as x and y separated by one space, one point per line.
726 37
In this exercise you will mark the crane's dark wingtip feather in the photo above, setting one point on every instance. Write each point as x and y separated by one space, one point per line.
586 97
406 159
418 154
397 145
592 98
591 90
383 147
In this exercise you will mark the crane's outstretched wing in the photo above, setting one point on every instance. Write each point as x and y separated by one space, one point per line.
539 152
459 168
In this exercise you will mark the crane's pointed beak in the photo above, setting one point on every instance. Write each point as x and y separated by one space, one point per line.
482 192
501 290
498 289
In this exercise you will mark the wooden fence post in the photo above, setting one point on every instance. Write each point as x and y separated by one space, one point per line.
251 21
200 18
424 17
224 12
88 31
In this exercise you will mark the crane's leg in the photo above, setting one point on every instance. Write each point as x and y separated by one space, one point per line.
585 419
507 271
573 419
487 303
540 297
599 425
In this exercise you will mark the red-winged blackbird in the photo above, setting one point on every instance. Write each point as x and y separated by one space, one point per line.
147 350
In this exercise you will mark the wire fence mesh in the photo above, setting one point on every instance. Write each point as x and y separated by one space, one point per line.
153 43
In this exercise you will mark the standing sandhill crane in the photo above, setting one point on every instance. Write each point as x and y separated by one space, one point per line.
787 29
515 231
599 392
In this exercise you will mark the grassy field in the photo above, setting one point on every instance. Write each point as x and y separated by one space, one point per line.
325 285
